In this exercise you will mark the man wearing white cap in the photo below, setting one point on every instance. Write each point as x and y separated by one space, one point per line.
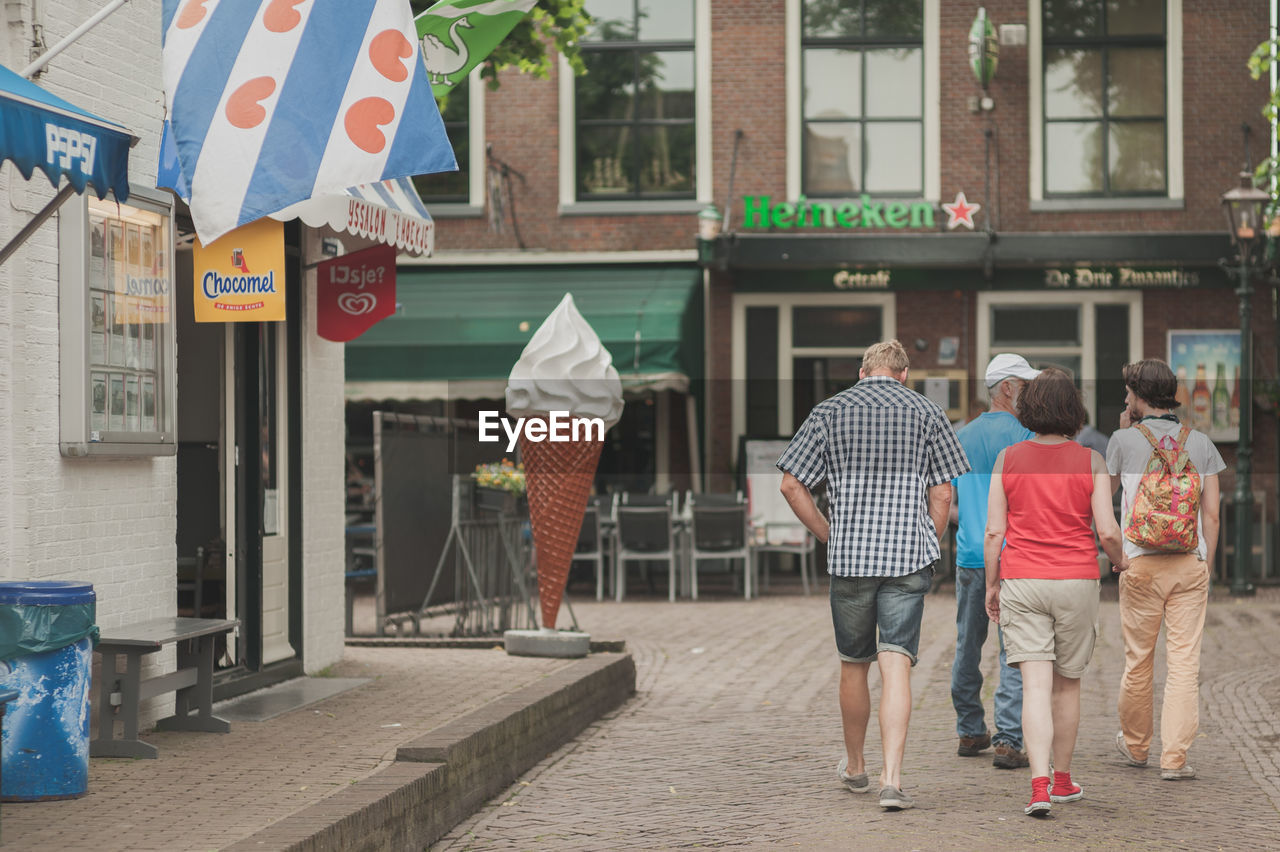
983 438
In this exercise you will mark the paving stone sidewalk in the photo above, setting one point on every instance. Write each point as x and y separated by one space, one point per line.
207 791
733 738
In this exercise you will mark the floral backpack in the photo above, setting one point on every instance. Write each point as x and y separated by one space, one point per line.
1167 504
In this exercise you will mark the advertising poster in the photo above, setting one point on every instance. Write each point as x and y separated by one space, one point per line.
115 354
97 252
98 402
98 329
240 276
148 404
1207 364
115 419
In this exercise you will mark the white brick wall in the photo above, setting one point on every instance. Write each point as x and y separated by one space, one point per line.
112 523
106 522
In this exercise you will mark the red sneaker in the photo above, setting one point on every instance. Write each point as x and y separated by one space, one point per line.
1040 804
1064 790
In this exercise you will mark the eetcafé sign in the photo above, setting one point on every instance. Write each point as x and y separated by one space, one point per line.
392 227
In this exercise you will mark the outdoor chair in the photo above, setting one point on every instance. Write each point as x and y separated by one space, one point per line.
775 529
591 545
643 533
718 531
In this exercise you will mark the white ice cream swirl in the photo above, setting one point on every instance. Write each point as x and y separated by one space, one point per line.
565 367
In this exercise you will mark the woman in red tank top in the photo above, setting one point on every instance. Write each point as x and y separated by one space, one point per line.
1047 494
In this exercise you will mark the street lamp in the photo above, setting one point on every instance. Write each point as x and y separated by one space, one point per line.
709 224
1244 207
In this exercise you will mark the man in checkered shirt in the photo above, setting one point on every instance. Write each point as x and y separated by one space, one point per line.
887 455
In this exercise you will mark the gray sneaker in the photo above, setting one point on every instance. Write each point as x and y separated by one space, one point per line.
893 799
1186 773
1123 748
857 783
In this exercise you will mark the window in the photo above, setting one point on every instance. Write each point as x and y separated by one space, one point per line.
635 111
804 348
452 187
116 326
1105 105
1092 335
863 97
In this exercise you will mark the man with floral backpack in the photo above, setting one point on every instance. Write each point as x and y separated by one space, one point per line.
1169 515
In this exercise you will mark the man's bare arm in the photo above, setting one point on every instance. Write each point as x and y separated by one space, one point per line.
801 502
940 507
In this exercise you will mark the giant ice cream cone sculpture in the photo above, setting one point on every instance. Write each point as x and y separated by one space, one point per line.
565 379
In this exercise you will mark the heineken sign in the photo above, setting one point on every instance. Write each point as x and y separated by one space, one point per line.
760 212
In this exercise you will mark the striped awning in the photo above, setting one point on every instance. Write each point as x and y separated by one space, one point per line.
389 212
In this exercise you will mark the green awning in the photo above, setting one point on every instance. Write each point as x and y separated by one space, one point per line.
459 330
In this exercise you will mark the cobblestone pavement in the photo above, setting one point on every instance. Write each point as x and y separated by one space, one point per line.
733 738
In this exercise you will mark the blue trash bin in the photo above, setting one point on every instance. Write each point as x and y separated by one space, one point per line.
47 634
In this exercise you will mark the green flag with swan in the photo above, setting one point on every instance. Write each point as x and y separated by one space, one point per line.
457 35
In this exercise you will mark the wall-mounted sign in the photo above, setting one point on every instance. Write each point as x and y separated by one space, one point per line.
760 213
355 291
239 277
984 49
1120 278
907 278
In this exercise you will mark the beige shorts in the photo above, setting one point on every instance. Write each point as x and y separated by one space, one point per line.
1050 620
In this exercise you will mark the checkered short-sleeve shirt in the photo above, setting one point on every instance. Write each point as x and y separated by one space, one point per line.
879 445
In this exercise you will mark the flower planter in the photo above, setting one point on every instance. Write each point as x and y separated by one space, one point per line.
499 501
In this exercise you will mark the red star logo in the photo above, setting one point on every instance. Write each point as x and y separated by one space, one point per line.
960 212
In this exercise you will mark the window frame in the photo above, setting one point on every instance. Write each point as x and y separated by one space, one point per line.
788 350
1086 349
930 116
861 45
77 437
1173 195
570 204
474 205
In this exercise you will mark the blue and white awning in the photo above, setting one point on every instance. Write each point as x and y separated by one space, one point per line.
39 130
389 212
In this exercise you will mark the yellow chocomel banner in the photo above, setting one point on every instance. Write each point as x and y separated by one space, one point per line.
240 276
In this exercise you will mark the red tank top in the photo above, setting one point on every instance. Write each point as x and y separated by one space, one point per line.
1049 488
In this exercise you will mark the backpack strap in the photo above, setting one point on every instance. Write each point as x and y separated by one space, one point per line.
1151 438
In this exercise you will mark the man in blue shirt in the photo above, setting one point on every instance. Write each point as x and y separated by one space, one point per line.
983 438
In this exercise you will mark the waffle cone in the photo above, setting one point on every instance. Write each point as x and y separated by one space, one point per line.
558 478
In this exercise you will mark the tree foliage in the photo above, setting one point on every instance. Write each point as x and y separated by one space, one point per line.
1268 171
561 23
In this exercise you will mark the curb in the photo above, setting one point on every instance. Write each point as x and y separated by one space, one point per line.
598 646
444 776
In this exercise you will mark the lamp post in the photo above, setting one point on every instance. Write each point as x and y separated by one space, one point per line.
709 224
1243 207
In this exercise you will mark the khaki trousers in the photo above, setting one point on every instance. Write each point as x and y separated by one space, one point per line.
1173 588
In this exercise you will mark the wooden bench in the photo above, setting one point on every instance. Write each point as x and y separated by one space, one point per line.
120 694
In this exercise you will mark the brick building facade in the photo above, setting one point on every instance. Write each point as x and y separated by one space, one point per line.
1040 254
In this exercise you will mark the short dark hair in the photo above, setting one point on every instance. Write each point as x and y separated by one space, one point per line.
1153 382
1050 404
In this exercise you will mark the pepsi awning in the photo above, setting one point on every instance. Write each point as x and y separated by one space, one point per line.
39 130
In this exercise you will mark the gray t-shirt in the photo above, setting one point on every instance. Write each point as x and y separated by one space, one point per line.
1127 455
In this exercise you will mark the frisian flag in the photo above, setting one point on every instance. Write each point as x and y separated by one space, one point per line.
272 102
457 35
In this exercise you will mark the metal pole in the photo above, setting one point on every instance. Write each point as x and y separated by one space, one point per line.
1240 584
34 67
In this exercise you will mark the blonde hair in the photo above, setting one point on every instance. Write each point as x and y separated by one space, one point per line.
887 355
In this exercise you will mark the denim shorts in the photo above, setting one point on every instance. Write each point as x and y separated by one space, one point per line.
862 607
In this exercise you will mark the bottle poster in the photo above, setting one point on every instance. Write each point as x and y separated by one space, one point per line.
1207 364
